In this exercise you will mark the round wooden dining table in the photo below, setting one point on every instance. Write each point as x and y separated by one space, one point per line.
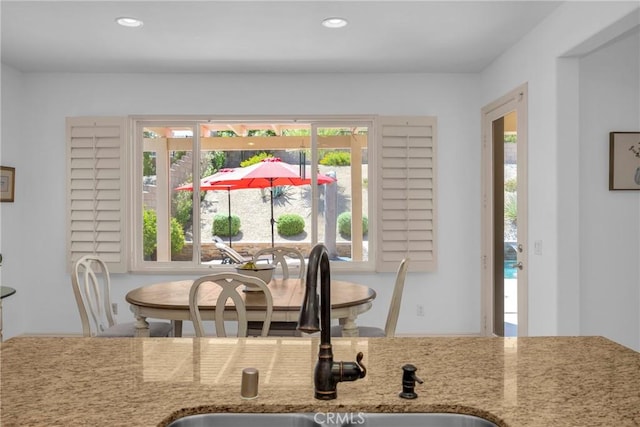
170 300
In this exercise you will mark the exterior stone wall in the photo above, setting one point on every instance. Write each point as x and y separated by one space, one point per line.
180 172
211 253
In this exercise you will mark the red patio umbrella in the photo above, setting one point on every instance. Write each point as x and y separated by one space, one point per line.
270 172
207 185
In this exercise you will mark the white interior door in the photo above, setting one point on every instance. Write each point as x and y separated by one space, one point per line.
504 215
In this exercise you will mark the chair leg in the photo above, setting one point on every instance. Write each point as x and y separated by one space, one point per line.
177 328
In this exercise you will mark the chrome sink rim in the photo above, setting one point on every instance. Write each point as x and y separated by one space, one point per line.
333 419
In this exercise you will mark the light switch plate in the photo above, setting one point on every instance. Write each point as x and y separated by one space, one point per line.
537 247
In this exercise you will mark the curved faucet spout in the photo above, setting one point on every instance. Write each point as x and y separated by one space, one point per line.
327 372
309 312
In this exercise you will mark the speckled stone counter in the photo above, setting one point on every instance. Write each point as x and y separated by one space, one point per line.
546 381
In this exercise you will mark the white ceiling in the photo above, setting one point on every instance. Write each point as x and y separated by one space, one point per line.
263 36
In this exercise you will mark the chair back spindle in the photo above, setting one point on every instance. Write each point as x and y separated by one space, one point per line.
91 284
229 282
286 258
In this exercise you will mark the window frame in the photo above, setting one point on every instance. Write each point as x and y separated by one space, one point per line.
402 191
136 148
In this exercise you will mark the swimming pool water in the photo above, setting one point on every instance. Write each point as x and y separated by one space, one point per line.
509 270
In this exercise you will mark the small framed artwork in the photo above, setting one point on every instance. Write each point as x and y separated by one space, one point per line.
7 183
624 161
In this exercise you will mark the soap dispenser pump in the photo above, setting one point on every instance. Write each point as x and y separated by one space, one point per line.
409 379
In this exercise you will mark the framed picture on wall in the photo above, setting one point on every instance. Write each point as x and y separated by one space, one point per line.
7 183
624 161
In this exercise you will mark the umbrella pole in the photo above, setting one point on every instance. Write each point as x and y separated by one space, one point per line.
272 220
229 202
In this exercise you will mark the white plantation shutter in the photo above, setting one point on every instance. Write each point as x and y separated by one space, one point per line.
407 200
96 189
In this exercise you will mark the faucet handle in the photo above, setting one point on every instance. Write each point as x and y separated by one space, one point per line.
349 371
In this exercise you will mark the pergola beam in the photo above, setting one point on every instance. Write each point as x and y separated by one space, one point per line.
256 142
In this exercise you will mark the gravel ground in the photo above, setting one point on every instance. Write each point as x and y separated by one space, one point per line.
253 208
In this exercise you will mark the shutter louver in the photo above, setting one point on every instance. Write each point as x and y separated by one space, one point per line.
407 199
96 190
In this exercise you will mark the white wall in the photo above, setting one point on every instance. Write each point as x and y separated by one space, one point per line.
33 232
609 220
12 109
555 218
33 228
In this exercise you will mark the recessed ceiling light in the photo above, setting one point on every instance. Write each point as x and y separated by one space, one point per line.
334 22
129 22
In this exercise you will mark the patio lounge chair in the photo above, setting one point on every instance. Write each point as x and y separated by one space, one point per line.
231 256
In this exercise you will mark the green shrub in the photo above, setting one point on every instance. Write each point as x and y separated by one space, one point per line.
221 225
290 224
212 162
183 202
510 207
511 185
177 155
148 164
177 237
336 158
344 224
261 132
255 159
150 234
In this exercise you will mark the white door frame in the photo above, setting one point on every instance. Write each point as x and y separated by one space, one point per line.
515 100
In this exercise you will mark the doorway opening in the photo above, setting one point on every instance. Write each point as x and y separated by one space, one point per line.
504 219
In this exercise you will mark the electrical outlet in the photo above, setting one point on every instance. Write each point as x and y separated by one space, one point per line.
420 310
114 307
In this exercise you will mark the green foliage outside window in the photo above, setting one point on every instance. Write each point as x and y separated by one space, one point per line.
148 164
290 224
255 159
149 232
177 237
177 155
221 225
344 224
150 236
213 161
183 202
510 207
261 132
336 158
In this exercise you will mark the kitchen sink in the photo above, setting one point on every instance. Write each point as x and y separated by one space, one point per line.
332 419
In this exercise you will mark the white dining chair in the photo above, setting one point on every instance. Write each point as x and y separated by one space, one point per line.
229 282
92 289
389 330
287 258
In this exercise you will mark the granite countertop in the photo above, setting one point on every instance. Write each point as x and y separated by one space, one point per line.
545 381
